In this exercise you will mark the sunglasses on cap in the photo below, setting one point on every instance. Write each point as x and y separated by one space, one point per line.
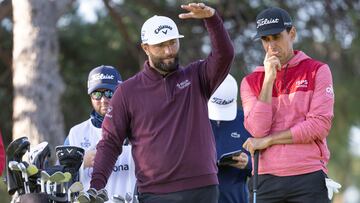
97 95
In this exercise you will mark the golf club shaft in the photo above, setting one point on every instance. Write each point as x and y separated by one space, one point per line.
256 170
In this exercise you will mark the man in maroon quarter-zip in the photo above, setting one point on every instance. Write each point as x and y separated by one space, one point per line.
164 110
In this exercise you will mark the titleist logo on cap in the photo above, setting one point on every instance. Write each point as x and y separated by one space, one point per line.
221 101
265 21
101 76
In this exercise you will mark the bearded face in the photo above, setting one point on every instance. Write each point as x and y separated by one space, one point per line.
163 56
168 64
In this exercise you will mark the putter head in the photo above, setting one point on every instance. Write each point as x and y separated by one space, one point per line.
14 152
71 157
39 155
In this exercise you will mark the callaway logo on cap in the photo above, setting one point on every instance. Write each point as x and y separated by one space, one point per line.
272 21
158 29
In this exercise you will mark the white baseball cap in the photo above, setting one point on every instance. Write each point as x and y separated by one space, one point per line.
222 104
158 29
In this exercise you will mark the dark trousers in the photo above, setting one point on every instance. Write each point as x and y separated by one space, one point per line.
306 188
208 194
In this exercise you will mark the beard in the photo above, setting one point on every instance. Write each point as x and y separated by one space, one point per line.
164 66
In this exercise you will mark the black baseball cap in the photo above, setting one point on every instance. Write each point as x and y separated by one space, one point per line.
272 21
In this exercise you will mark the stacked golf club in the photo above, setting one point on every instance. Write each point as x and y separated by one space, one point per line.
57 183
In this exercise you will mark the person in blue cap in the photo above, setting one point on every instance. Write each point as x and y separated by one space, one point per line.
102 82
230 134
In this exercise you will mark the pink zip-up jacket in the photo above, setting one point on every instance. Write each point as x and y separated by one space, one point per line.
302 101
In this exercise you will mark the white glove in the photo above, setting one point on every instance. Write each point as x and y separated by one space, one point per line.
332 187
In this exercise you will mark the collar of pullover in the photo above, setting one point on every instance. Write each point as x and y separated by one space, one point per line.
153 74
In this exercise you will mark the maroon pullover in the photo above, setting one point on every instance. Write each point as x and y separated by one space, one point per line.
167 118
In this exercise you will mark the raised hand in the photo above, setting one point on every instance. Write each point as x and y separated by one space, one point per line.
197 10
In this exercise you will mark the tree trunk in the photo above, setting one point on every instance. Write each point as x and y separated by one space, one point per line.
38 85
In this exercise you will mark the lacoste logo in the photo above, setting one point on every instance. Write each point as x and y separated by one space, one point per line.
235 135
183 84
302 83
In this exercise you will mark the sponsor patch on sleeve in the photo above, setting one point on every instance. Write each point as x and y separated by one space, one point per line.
329 91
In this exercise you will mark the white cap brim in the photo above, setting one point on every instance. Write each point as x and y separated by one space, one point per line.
164 39
224 113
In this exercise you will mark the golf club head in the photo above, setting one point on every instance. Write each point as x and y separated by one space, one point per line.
118 199
92 194
83 198
17 148
128 197
14 178
39 155
57 177
103 194
14 152
71 157
76 187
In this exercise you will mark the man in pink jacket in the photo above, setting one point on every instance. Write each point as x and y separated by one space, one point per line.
288 108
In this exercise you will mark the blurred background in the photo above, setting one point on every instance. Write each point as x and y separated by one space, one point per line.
48 47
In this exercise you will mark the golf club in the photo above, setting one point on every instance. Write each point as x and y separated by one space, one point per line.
103 194
118 199
39 154
24 174
83 198
14 152
44 177
128 197
255 183
75 187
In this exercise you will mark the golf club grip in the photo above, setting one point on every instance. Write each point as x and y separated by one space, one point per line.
256 164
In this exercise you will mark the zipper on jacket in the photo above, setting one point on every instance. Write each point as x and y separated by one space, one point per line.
283 83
